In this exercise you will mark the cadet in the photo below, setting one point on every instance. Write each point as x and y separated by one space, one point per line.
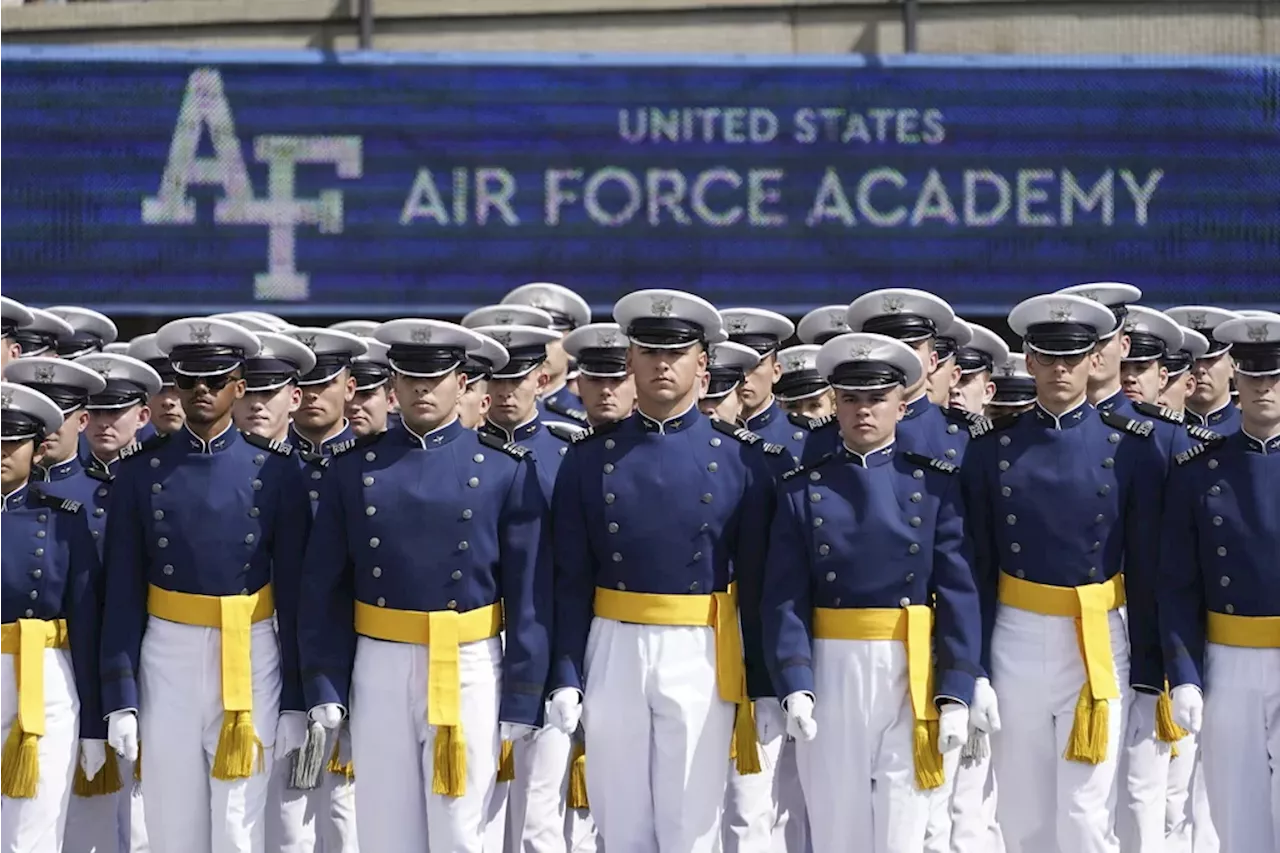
118 415
1181 382
91 331
1210 403
15 316
862 543
1059 500
1105 393
369 409
661 522
977 362
822 324
1015 389
271 392
946 375
51 710
204 544
474 405
1220 603
727 365
763 331
607 390
425 721
320 425
568 311
42 335
800 389
166 409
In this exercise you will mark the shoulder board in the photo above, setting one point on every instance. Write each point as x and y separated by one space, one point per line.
794 472
1163 413
568 411
1203 433
100 475
564 432
156 441
1204 447
818 423
599 429
1129 425
963 416
742 434
63 504
800 469
929 462
342 446
283 448
352 443
510 448
773 449
987 426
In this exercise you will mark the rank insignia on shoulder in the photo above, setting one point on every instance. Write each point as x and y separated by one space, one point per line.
564 432
283 448
1202 433
510 448
1129 425
567 411
352 443
964 416
598 429
1163 413
808 423
156 441
1204 447
742 434
342 446
985 426
929 462
62 504
794 472
773 449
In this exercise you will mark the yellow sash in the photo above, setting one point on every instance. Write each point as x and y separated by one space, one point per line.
28 638
1249 632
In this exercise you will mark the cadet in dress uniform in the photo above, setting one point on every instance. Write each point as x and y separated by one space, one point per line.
166 409
607 390
1105 393
1220 609
1181 382
474 405
867 546
977 362
800 389
91 331
52 579
822 324
204 545
946 375
1210 403
271 392
661 522
1015 389
727 366
369 409
568 311
109 817
763 331
1059 501
433 535
320 425
42 335
15 315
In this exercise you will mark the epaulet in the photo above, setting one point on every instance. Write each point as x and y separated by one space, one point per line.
155 442
808 466
564 432
510 448
986 426
1204 447
598 429
99 475
773 449
561 409
808 423
929 462
1129 425
55 502
343 446
1163 413
358 442
1203 433
963 416
283 448
742 434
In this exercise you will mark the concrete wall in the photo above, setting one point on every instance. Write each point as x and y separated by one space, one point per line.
1174 27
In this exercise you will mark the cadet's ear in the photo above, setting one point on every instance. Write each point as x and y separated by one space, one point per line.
238 387
351 387
777 367
988 393
1126 343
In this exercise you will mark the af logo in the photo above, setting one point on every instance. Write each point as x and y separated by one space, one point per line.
205 109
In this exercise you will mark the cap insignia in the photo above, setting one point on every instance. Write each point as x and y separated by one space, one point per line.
837 319
308 341
860 352
1197 320
738 325
200 333
1061 312
660 306
503 338
794 363
45 373
420 335
1257 332
6 400
608 338
892 304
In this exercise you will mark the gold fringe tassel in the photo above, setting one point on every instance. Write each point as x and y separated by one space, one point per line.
239 752
1166 729
745 754
106 782
1089 729
507 762
336 766
927 758
449 766
21 764
137 765
578 776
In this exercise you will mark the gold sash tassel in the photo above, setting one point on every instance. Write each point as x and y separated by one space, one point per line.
345 769
1089 604
578 775
507 762
106 782
27 638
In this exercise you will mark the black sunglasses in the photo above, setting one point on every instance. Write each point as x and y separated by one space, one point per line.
213 383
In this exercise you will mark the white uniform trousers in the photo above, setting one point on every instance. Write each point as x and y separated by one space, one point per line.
1240 745
538 819
859 772
1188 826
36 825
764 812
1204 836
495 820
1143 792
937 832
973 808
322 820
393 749
112 823
657 737
180 690
1046 802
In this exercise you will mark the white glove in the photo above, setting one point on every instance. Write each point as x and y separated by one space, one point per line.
800 722
328 715
93 754
122 734
291 733
515 731
953 727
771 723
1188 707
565 710
984 713
1142 717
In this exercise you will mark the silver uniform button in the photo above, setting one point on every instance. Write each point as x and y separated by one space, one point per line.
797 435
370 510
706 498
918 474
1011 519
376 571
314 495
904 602
452 604
168 569
98 513
1217 521
33 595
916 521
473 482
831 576
368 481
37 574
914 549
613 527
1213 463
815 498
916 497
1215 491
1006 491
817 522
1230 608
39 552
259 459
1222 550
1099 518
1020 573
815 476
1114 438
155 488
1004 465
1093 571
456 574
162 542
466 514
370 456
609 444
836 601
953 429
1105 490
96 533
1108 462
693 587
617 558
382 602
316 475
254 512
479 457
712 467
951 453
564 451
40 533
155 463
375 542
30 613
610 498
715 442
463 545
1015 548
257 485
824 549
608 467
910 577
622 586
42 518
1004 441
249 538
1226 581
